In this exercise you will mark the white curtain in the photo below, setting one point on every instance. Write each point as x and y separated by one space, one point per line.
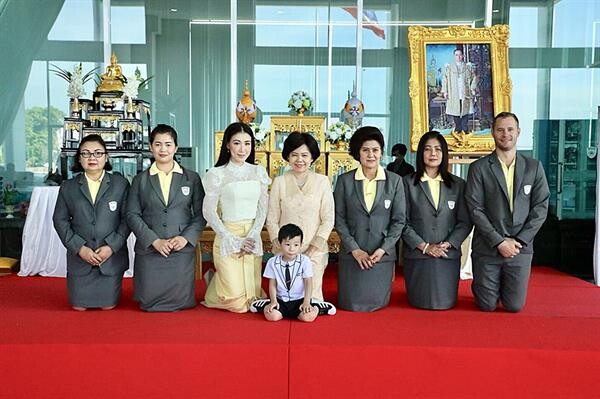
43 252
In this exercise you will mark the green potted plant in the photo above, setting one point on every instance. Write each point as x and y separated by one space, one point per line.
10 198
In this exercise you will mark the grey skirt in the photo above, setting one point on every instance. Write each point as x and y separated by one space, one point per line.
165 284
364 290
432 283
94 290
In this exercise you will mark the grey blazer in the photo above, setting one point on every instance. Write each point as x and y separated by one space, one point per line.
150 218
79 222
424 223
358 228
487 200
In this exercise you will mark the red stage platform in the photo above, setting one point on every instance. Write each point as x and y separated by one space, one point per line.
551 349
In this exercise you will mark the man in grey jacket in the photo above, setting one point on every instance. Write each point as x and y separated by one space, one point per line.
507 196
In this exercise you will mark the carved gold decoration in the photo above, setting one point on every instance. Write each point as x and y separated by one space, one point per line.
131 127
338 163
105 120
283 125
218 142
261 158
340 146
420 36
278 165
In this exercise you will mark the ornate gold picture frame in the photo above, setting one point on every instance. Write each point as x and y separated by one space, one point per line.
458 78
282 126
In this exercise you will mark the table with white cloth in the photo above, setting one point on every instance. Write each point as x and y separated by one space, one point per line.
43 253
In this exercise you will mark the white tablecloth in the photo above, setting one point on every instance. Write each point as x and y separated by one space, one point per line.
43 253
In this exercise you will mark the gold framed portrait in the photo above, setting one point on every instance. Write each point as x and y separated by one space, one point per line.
282 126
278 165
458 82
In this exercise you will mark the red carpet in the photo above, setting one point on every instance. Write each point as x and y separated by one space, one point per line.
551 349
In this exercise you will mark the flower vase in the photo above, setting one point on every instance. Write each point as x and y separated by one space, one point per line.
301 111
341 145
9 209
75 109
130 110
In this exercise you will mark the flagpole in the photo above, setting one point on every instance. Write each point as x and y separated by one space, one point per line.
233 52
597 238
359 47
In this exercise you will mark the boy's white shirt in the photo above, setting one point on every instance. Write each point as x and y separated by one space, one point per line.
300 268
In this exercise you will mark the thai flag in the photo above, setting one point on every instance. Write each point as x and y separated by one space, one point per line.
369 21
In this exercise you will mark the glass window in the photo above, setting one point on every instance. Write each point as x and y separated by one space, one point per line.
574 93
576 23
525 103
128 25
291 26
524 29
79 20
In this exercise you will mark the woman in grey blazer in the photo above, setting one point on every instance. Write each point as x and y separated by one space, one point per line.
369 218
437 222
165 213
89 218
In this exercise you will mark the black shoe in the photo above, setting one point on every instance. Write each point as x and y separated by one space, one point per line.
325 308
259 305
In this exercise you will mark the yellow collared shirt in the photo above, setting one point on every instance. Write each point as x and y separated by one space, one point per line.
165 178
369 186
94 186
434 187
509 176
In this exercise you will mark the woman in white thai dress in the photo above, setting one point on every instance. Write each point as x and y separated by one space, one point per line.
304 198
235 206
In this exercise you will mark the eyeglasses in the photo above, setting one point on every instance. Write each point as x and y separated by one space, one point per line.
96 154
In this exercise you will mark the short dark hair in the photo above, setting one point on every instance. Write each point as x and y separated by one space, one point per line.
503 115
363 134
289 231
458 49
230 131
420 162
95 138
161 128
399 148
296 140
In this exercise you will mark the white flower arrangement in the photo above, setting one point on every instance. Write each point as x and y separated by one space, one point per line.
339 131
131 87
299 100
260 134
134 83
76 79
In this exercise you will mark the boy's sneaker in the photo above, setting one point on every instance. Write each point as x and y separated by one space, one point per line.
258 306
325 308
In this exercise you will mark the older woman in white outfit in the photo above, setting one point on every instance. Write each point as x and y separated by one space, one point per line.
304 198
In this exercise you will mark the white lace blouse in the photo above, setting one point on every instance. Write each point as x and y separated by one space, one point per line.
235 193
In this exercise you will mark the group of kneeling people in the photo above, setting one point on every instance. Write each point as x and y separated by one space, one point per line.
432 211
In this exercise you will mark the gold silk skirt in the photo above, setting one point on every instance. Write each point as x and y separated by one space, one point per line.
237 279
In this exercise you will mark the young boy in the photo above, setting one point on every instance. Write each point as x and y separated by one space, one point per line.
290 282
